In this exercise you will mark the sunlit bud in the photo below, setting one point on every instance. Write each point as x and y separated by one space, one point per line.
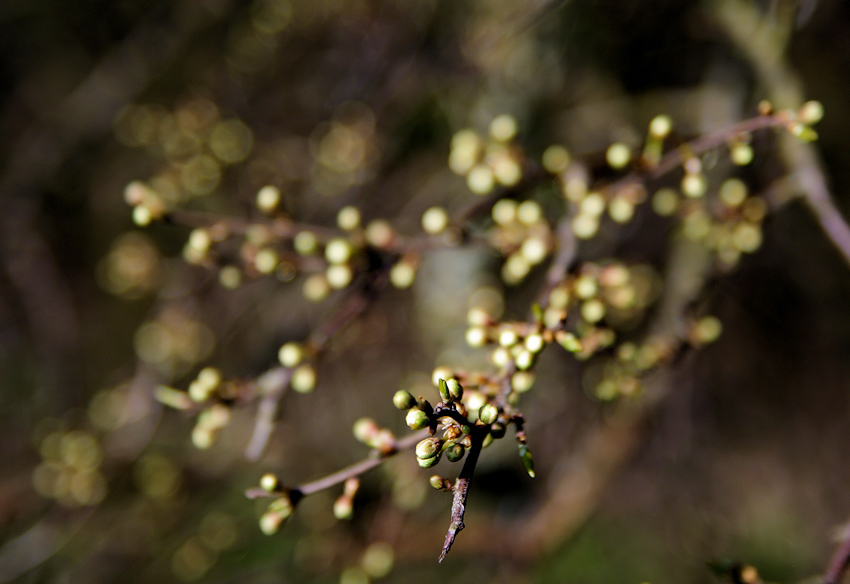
585 226
559 297
429 447
230 277
706 330
343 508
504 211
508 337
527 461
621 209
765 108
316 288
338 251
733 192
529 212
199 240
534 342
501 357
660 126
339 276
365 429
455 390
268 198
417 419
747 237
534 250
569 341
478 317
440 373
440 483
506 170
556 159
585 287
429 462
503 128
524 360
553 316
304 379
455 452
348 218
305 243
202 437
380 233
515 268
403 400
741 154
172 398
266 261
665 202
269 482
694 185
618 155
142 216
480 180
488 414
270 522
803 132
282 505
403 274
290 354
476 336
810 112
523 381
199 392
435 220
593 310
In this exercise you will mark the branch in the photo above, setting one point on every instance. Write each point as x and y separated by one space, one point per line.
840 561
460 490
376 458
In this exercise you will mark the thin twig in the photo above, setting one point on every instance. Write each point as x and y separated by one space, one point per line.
460 490
839 562
376 458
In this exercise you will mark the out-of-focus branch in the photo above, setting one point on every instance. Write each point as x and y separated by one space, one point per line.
764 45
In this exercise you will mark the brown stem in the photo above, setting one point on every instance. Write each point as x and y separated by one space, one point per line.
376 458
460 490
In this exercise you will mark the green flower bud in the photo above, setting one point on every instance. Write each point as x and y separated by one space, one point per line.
488 414
429 448
455 452
488 440
282 506
527 460
403 400
270 522
429 462
269 482
417 419
444 391
343 508
440 483
455 390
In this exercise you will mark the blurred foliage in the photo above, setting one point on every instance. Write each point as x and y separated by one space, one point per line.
337 103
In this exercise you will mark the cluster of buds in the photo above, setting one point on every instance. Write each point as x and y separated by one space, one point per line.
729 224
368 432
621 375
487 161
521 233
281 507
70 471
208 393
195 142
344 505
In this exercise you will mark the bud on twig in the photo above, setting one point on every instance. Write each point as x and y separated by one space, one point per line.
403 400
488 414
417 419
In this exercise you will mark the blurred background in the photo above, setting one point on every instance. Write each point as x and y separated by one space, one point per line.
355 103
